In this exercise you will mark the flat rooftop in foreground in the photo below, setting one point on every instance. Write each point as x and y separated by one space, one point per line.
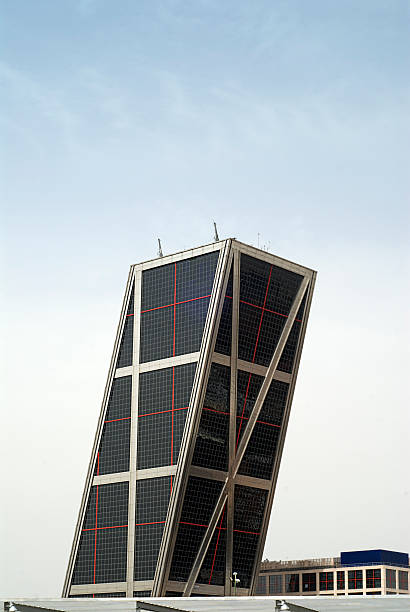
393 603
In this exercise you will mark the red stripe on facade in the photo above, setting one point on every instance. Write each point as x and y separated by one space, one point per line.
109 527
243 410
201 297
162 411
114 420
280 314
262 313
154 523
172 417
217 411
95 537
216 545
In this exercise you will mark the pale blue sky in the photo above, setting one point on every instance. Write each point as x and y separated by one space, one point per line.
124 121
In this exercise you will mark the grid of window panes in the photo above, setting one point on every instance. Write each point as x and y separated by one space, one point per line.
249 508
288 355
260 454
355 579
373 578
390 579
199 502
152 498
213 568
224 337
403 580
291 583
102 552
326 581
340 580
309 582
114 450
162 409
126 344
174 305
261 585
212 441
267 293
275 584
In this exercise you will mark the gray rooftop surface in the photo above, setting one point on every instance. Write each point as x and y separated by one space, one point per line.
389 603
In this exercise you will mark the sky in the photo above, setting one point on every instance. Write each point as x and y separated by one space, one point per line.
286 122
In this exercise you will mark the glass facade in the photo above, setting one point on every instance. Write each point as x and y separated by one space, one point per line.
163 330
373 578
291 583
355 579
275 584
326 581
390 579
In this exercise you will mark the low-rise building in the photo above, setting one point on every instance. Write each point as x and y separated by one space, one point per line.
366 572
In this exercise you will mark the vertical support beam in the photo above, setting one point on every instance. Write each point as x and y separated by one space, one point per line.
232 420
133 436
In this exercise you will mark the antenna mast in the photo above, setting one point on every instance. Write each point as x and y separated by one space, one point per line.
160 253
216 237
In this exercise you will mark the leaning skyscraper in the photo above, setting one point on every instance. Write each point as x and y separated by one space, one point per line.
190 436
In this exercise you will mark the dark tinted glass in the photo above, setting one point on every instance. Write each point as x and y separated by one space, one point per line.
157 332
340 580
105 526
291 583
266 296
355 579
211 446
195 277
119 404
260 453
309 582
223 340
154 440
163 402
326 581
125 352
158 285
194 520
151 510
175 300
373 578
114 452
248 516
213 567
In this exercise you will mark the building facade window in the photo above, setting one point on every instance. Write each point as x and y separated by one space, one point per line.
326 581
390 579
261 588
355 579
309 582
403 580
373 578
275 584
340 580
292 583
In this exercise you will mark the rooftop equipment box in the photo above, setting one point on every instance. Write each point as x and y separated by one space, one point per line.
364 557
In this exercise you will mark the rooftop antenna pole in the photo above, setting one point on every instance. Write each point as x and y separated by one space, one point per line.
160 253
216 237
